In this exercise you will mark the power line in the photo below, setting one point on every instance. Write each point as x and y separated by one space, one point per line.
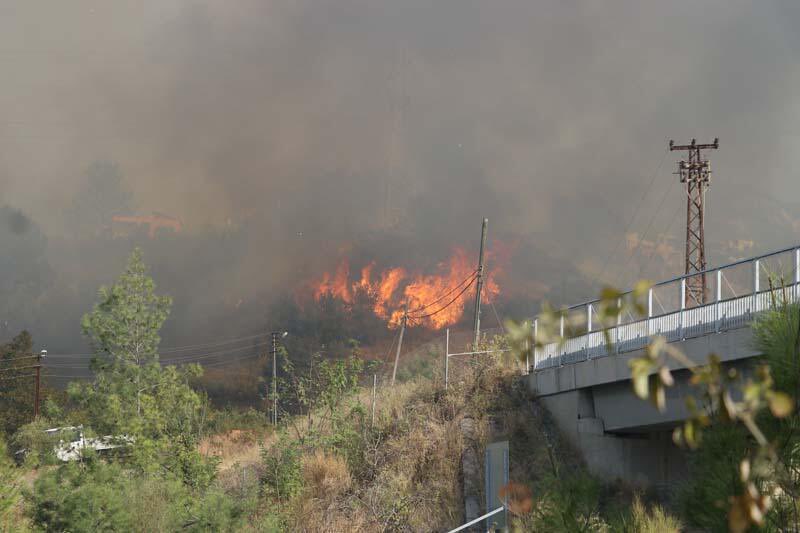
661 238
18 377
16 368
195 357
448 293
217 343
18 358
182 361
204 365
448 303
173 349
228 361
636 212
177 360
644 234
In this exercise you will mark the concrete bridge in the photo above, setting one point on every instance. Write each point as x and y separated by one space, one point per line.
585 383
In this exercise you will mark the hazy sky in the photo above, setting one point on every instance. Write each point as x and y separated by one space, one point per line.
549 117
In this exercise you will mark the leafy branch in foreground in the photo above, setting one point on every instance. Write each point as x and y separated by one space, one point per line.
717 387
722 395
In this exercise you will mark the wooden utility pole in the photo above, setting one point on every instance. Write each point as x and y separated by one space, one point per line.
37 394
374 390
275 377
479 286
400 342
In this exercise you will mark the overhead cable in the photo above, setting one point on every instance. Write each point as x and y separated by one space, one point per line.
448 293
451 302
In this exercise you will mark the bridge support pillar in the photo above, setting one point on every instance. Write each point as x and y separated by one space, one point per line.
644 459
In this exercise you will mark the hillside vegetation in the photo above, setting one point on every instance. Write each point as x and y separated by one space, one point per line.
339 461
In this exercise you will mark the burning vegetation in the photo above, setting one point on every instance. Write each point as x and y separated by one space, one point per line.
435 300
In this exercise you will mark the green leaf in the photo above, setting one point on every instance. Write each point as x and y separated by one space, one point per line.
610 294
666 376
658 395
640 386
641 287
780 404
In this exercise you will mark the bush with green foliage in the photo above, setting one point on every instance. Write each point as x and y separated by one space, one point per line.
722 484
16 395
9 489
36 447
570 505
714 477
283 470
77 497
654 519
98 496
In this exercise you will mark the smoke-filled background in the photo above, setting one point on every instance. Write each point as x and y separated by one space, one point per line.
286 136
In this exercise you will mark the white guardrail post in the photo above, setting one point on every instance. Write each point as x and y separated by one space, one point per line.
756 271
619 321
589 319
484 517
797 275
719 299
739 309
446 357
588 330
683 306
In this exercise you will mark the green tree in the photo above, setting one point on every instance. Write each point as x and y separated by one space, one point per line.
123 330
132 394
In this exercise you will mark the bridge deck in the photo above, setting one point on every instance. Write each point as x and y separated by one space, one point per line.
722 314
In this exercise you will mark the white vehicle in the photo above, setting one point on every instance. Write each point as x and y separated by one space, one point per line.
71 450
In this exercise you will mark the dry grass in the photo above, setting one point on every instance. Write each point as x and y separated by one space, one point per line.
326 476
410 476
653 519
400 473
237 446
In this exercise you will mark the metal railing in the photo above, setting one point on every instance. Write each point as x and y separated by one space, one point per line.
728 309
473 522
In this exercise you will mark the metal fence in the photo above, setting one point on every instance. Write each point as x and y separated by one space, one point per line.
735 292
464 339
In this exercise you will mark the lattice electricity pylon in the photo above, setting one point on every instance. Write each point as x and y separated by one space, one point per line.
696 174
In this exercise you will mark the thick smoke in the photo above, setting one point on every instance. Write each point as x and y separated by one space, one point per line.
280 132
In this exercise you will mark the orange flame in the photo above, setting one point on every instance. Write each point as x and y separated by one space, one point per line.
434 300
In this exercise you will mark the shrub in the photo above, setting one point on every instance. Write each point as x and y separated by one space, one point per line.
215 511
571 505
82 498
9 489
283 473
34 445
326 476
653 520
